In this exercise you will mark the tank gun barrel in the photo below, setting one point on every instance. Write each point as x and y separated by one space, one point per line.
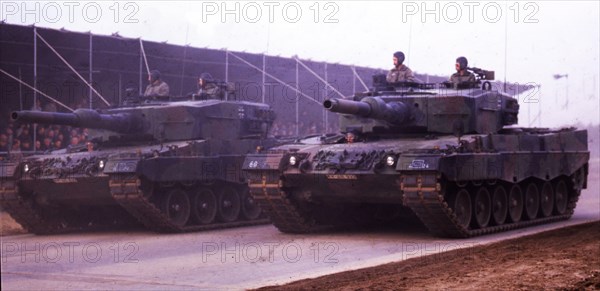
118 122
347 107
396 113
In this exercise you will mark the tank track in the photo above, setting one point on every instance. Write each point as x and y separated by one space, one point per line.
273 200
24 212
127 193
426 199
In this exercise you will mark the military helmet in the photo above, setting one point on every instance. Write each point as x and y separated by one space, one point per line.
400 56
462 62
206 77
154 75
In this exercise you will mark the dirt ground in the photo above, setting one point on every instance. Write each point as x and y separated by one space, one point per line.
9 226
563 259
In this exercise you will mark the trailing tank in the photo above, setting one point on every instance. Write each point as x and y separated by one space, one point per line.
449 155
172 166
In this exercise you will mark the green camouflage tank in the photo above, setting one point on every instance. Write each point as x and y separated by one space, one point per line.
449 154
172 165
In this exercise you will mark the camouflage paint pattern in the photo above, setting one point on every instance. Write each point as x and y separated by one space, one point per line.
172 166
451 157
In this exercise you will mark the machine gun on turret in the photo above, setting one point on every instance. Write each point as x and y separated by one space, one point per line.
482 74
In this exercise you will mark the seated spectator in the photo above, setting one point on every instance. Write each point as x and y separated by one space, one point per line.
47 144
74 141
16 145
3 143
50 134
41 130
26 145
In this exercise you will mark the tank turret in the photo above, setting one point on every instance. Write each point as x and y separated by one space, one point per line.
166 121
443 111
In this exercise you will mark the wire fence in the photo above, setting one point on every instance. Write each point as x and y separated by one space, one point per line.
43 68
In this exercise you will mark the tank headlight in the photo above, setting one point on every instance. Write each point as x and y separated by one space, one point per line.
26 168
101 164
293 161
390 161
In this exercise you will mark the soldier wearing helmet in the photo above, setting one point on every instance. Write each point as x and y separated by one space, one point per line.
462 75
400 72
208 88
156 87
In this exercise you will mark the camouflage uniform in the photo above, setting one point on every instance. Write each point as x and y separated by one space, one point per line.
400 74
210 91
160 89
466 77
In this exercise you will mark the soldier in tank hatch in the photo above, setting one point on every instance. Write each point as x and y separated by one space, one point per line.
208 88
462 75
157 87
400 72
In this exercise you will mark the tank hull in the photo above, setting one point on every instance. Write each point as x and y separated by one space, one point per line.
128 186
458 188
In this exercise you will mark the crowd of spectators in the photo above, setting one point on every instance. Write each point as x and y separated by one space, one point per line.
307 125
49 137
15 137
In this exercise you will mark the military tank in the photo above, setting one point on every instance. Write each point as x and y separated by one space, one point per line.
174 166
447 154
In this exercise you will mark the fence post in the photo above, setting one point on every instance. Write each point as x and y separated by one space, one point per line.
297 101
90 74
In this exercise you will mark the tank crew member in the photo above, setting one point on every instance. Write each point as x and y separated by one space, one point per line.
350 136
400 72
208 88
156 87
462 75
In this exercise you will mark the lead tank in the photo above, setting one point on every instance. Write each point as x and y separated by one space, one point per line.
447 154
172 166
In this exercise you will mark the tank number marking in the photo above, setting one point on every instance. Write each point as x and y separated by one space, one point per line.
418 164
342 177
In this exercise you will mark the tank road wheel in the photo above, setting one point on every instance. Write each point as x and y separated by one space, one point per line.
250 210
515 203
462 208
482 208
499 205
204 208
229 204
561 197
547 199
532 201
176 206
